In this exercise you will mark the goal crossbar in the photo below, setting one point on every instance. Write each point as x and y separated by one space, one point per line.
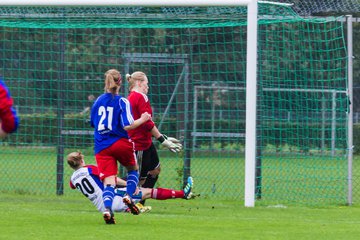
152 3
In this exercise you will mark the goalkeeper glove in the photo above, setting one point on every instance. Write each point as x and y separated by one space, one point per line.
172 144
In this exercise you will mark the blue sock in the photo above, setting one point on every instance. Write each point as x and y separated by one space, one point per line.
132 182
108 196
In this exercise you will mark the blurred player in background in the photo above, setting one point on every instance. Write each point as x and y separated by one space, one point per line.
9 120
90 98
146 153
111 117
86 179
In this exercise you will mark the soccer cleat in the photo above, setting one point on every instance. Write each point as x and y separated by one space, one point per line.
187 189
193 195
142 208
131 205
139 205
108 217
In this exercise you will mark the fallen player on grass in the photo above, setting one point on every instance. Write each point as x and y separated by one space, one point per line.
86 179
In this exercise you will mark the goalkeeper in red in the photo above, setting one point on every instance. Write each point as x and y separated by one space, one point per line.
147 156
9 121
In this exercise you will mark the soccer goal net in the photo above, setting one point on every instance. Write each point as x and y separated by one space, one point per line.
54 58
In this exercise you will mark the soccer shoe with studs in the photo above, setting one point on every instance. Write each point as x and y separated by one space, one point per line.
108 217
187 189
131 205
142 208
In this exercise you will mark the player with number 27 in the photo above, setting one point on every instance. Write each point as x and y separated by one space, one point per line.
111 118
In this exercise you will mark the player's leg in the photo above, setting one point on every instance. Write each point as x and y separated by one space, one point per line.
132 180
188 187
166 193
120 193
131 185
142 171
124 152
108 171
152 177
151 167
109 190
118 204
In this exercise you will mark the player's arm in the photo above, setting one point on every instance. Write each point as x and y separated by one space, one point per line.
126 116
143 105
155 132
172 144
136 123
144 118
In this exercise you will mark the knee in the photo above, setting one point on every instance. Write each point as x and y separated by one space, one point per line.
155 172
142 181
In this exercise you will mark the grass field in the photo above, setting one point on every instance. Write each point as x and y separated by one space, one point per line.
31 209
298 178
31 217
35 172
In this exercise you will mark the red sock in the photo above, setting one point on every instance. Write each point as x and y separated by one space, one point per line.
165 193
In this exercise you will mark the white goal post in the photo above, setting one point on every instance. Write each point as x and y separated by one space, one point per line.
251 61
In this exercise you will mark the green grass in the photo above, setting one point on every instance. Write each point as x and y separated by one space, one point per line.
295 178
34 171
34 217
31 210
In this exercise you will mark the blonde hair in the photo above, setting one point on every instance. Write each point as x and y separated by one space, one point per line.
134 77
74 159
112 81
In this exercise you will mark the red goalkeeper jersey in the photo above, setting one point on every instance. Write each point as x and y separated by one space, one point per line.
141 135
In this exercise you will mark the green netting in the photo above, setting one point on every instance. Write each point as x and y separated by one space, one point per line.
303 110
324 7
53 60
133 17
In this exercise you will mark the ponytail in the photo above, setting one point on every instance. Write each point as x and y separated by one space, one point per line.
112 82
135 76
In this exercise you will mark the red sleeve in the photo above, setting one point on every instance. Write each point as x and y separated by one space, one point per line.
72 185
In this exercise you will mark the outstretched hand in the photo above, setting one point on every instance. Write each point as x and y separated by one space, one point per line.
172 144
174 140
